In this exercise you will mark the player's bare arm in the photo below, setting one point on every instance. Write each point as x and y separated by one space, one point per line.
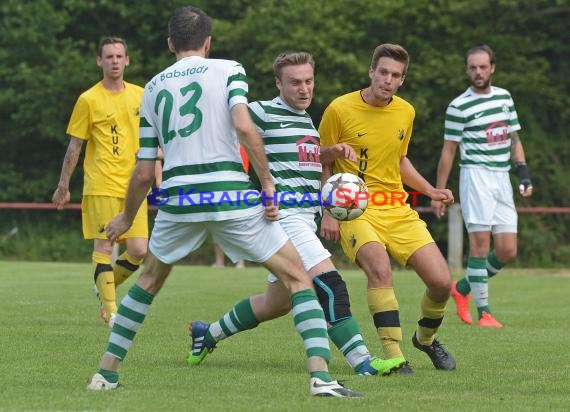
443 170
61 196
339 151
158 168
253 144
140 182
412 178
517 151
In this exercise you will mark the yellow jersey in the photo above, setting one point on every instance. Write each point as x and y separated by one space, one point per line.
109 122
380 138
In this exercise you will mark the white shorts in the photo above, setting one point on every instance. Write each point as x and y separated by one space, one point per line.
301 229
487 203
253 238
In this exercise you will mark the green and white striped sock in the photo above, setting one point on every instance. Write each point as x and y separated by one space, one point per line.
130 316
347 338
494 265
238 319
479 282
310 323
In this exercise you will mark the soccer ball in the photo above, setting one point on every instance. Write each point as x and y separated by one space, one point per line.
344 196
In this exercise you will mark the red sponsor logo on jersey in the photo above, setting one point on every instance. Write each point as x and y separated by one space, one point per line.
309 151
497 133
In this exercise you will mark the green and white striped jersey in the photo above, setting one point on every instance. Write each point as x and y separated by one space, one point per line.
292 145
186 109
482 124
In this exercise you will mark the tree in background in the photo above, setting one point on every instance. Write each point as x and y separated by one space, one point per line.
46 49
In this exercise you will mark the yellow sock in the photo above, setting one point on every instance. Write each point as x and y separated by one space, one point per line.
125 266
105 282
431 318
385 311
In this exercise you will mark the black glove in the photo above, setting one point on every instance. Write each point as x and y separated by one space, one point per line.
524 177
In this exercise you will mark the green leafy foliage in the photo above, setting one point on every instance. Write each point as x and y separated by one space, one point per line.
47 58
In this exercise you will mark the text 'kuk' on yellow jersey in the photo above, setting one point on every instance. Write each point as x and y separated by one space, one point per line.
109 122
380 138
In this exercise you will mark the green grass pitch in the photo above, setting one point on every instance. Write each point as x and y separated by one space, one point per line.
51 340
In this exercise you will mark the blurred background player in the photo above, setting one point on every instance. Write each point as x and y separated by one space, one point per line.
292 147
106 117
483 123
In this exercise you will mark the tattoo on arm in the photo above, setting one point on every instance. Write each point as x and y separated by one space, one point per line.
70 159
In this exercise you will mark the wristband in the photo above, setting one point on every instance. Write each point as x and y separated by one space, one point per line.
524 176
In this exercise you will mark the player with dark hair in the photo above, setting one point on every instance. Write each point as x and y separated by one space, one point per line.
483 123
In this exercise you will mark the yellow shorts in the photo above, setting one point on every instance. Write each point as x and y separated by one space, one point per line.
97 211
400 230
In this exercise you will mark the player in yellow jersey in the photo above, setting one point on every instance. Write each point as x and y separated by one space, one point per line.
371 129
106 117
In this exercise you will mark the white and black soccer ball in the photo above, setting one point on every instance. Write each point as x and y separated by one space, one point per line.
344 196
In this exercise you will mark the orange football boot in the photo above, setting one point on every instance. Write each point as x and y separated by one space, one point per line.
462 303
